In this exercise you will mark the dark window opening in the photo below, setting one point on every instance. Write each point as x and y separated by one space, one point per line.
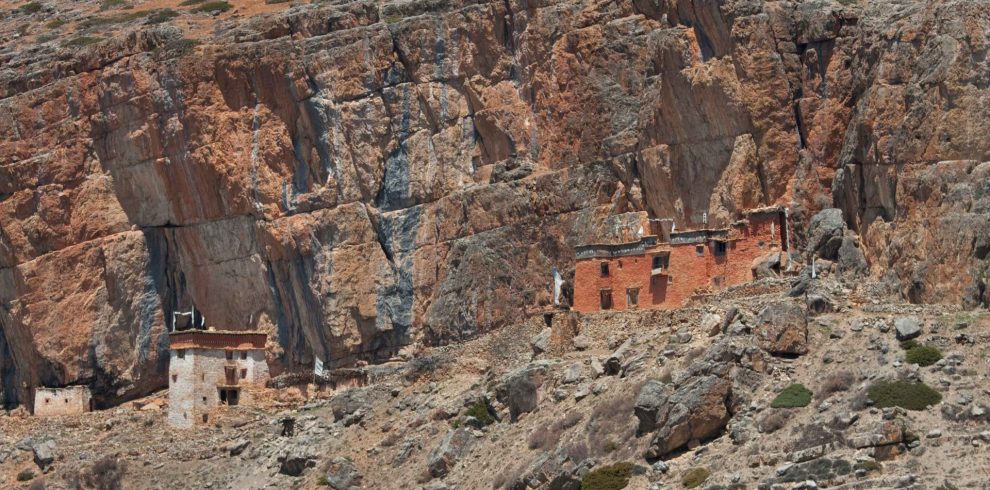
175 377
243 355
243 373
182 353
231 375
720 249
204 400
604 269
700 250
229 396
661 261
606 299
718 280
206 418
632 297
230 355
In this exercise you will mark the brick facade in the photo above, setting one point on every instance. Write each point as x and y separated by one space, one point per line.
689 262
205 367
73 400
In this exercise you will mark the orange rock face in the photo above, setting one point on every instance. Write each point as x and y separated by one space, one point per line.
353 178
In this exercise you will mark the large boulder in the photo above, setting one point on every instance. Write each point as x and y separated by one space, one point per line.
453 446
651 398
295 457
44 453
342 474
696 411
907 328
782 329
851 259
350 406
519 389
825 233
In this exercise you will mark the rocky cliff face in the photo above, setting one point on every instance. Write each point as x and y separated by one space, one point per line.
355 177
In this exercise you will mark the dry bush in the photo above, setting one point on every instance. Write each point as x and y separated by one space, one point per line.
773 421
834 383
612 420
508 477
549 435
106 474
577 451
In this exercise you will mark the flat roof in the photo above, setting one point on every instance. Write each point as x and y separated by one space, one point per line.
217 339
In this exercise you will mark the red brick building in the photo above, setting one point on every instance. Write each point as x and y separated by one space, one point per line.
666 268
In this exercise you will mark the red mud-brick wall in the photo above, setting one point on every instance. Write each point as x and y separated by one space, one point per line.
687 273
624 272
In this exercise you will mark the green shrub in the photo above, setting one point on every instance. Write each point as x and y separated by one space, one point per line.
112 4
795 395
111 19
159 16
869 465
25 475
31 7
186 3
695 477
923 355
481 412
904 394
909 344
611 477
82 41
56 23
212 7
323 481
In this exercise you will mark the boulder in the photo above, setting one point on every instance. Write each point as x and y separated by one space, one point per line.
614 362
573 373
350 406
652 395
694 412
782 329
342 474
238 446
825 233
519 389
907 328
453 446
44 453
767 265
851 259
819 304
541 341
295 458
711 324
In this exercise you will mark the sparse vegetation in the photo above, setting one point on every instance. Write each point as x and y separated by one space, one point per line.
480 411
213 7
834 383
113 4
611 477
869 465
82 41
160 16
25 475
904 394
322 481
794 396
274 2
106 474
773 421
56 23
923 355
92 22
186 3
695 477
31 7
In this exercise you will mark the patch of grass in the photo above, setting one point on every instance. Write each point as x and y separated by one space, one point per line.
275 2
186 3
31 7
480 411
213 7
847 2
112 4
695 477
904 394
794 396
772 422
25 475
322 481
835 382
923 355
111 19
56 23
611 477
392 19
82 41
160 16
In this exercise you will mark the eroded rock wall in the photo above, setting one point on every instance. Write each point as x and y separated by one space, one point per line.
353 177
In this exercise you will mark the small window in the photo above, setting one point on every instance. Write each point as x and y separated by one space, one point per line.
204 400
175 377
206 418
230 355
48 400
604 269
632 297
700 250
181 353
244 355
243 373
661 261
606 299
720 248
718 280
66 400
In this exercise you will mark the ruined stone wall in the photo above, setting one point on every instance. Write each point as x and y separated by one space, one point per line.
194 378
61 401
